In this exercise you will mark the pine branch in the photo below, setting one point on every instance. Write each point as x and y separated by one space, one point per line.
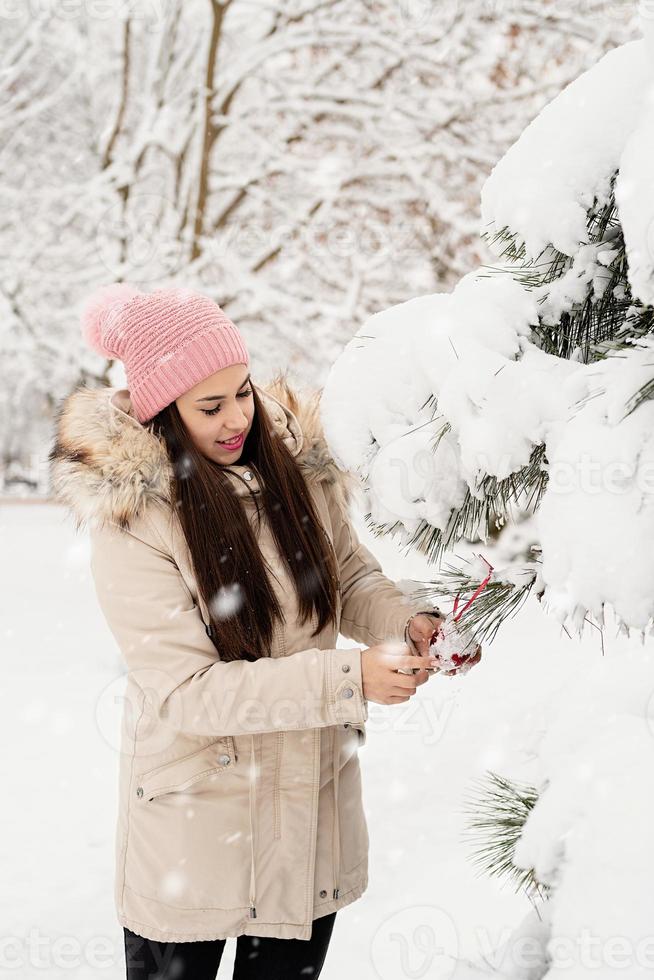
497 815
605 322
514 249
478 516
497 601
623 348
644 393
589 328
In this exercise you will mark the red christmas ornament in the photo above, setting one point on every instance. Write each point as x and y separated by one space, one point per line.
447 645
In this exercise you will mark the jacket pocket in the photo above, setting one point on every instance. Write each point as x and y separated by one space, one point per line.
353 827
179 774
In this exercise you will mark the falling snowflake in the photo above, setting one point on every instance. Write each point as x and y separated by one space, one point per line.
173 884
227 601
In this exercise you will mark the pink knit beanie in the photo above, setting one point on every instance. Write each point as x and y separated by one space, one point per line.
168 340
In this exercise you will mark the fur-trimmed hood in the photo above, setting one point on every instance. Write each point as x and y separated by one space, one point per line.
106 466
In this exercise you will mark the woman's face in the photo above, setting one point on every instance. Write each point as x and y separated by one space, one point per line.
219 408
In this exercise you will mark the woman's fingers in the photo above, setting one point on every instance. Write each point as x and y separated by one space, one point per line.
409 682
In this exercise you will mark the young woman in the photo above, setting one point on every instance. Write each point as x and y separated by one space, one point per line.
226 565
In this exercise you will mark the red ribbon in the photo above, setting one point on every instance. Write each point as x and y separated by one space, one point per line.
477 592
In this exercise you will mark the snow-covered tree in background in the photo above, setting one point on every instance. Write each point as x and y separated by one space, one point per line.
520 405
305 163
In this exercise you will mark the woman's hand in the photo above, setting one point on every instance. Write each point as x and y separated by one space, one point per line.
421 628
379 671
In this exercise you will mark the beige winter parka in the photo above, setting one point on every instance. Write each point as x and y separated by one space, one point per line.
240 807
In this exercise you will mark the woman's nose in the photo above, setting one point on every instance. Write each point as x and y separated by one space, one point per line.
237 422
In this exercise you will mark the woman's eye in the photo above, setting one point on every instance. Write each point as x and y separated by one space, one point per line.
214 411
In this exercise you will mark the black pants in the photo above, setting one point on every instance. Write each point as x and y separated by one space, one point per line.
257 957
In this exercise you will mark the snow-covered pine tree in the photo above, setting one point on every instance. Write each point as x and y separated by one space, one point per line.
526 392
524 399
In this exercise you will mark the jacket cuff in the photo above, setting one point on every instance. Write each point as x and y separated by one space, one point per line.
344 682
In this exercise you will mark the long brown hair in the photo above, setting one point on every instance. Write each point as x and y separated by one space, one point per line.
229 567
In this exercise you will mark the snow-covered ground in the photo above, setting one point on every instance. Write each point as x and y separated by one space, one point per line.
425 903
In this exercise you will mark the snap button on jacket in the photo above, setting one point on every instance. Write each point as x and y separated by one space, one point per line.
240 806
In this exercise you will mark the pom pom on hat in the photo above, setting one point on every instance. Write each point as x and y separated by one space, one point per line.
105 300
